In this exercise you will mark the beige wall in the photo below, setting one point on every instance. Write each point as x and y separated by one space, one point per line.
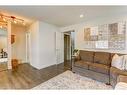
19 46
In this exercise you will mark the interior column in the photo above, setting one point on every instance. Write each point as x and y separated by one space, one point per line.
9 45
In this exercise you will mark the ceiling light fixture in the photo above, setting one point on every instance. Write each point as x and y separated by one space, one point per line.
4 19
3 25
81 16
12 19
15 21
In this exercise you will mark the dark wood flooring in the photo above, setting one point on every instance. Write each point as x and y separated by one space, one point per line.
27 77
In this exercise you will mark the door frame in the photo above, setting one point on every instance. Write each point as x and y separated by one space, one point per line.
70 31
67 54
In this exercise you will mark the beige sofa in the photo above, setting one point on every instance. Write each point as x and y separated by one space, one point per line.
97 65
121 83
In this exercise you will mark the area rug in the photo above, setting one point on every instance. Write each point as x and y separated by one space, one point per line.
69 81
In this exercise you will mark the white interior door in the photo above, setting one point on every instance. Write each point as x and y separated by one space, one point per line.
59 47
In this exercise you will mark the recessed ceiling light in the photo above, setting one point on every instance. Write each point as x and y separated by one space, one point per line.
81 16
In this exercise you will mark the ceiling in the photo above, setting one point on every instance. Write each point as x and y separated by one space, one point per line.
61 15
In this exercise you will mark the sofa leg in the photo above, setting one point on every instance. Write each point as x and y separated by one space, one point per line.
107 83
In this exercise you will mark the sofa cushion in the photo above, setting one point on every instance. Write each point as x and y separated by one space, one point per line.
112 54
114 72
117 61
122 78
82 64
100 68
102 58
86 55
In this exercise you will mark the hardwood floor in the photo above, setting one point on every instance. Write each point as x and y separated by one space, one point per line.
68 64
3 66
26 76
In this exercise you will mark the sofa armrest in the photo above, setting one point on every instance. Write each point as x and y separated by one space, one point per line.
122 78
121 86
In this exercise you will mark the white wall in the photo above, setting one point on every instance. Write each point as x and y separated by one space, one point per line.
47 44
42 52
79 30
34 44
19 46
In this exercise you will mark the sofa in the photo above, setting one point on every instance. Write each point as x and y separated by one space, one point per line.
115 73
121 83
97 65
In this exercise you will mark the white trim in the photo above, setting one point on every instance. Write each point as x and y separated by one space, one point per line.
9 45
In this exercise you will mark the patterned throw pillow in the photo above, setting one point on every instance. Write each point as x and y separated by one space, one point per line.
117 61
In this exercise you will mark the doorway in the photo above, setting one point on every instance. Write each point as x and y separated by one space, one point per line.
3 48
68 48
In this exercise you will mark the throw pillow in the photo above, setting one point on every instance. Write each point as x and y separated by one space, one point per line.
124 62
117 61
